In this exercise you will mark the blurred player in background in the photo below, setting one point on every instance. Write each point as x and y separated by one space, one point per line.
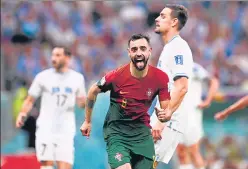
132 89
189 149
176 60
60 89
240 104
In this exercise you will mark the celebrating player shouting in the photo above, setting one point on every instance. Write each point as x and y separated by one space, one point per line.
132 89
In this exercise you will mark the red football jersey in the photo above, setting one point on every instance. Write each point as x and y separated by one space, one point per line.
133 95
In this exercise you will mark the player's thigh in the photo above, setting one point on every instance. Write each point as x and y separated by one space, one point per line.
63 165
118 155
183 153
192 136
141 162
44 152
195 148
165 148
64 152
193 132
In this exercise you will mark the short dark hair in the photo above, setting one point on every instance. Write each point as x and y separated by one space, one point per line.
180 12
67 52
137 37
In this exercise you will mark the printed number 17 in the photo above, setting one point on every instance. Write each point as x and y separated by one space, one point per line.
61 99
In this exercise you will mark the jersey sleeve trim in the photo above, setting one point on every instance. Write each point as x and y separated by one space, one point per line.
179 76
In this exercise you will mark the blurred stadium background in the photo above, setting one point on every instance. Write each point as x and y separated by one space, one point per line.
97 33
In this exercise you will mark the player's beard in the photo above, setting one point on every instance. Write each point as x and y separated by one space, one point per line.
140 64
58 66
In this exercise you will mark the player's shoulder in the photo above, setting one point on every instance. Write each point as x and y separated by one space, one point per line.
75 73
119 70
157 72
122 68
45 72
179 41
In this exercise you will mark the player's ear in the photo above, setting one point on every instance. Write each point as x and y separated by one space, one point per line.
174 22
128 51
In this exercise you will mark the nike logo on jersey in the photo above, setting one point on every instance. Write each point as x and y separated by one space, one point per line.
121 92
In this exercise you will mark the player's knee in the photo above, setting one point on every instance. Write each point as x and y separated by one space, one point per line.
194 151
46 167
182 153
47 164
124 166
63 165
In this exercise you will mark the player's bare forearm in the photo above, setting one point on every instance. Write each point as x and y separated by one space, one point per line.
164 104
178 93
27 105
90 101
213 87
81 101
240 104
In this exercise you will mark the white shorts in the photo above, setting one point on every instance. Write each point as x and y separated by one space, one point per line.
165 148
194 130
55 151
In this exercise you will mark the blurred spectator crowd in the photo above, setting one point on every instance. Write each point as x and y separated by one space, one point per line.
97 34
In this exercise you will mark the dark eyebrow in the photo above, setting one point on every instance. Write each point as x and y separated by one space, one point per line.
134 47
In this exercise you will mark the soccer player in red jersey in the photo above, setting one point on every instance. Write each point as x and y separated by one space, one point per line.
132 87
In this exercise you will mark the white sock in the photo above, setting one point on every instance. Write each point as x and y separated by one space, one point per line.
186 166
46 167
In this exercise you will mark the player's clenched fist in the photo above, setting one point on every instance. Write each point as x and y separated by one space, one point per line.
157 130
221 116
20 120
163 115
86 129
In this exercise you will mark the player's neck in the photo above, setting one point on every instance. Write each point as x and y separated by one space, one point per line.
63 70
136 73
169 36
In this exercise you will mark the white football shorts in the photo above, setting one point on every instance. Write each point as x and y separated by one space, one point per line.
55 151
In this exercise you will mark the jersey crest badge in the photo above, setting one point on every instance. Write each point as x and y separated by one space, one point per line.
179 59
149 92
118 156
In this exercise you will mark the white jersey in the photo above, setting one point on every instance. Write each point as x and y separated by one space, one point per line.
176 60
58 93
196 88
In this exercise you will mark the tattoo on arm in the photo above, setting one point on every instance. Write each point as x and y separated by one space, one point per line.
90 103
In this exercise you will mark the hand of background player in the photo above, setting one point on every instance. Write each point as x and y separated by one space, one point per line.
163 115
86 129
221 116
204 104
157 130
20 120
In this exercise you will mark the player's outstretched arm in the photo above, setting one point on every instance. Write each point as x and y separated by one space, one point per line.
178 93
90 101
26 108
240 104
213 87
